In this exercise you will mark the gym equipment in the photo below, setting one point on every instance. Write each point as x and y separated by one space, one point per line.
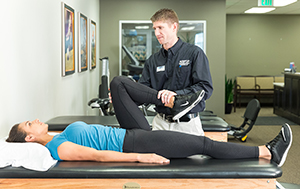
133 66
250 115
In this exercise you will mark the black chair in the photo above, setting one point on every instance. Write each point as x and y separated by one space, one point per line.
250 115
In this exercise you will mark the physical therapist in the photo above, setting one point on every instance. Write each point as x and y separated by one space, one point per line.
178 68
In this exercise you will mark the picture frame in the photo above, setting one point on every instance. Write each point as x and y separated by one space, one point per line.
68 40
82 42
93 37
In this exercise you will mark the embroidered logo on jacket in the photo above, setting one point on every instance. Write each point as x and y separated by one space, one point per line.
184 62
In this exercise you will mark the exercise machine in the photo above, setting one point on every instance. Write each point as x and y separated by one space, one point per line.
250 115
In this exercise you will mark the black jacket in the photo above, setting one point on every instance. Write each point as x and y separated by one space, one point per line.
184 69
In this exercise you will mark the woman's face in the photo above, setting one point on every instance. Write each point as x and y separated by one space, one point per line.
34 127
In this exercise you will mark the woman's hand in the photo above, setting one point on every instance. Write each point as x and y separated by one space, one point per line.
152 158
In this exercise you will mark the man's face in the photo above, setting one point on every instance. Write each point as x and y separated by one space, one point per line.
165 32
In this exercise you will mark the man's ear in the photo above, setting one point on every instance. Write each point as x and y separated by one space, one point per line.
29 138
175 26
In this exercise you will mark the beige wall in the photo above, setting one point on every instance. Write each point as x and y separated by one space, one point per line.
261 44
211 11
30 53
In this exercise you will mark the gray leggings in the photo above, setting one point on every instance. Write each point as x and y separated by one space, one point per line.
127 95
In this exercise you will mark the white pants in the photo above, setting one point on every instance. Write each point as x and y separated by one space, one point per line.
194 126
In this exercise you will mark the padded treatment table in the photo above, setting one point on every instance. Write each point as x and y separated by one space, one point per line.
193 172
214 127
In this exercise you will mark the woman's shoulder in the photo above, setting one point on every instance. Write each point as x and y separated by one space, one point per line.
78 123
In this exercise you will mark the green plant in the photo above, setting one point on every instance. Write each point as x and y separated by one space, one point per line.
229 85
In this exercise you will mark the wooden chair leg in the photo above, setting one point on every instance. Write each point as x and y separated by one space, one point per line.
234 102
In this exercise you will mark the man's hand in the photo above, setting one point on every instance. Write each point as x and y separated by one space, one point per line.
109 96
165 96
152 158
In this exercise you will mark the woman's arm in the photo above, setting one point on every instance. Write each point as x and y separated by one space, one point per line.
72 151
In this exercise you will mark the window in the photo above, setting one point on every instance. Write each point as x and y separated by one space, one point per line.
139 38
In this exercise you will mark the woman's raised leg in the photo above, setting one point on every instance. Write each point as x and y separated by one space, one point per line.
126 96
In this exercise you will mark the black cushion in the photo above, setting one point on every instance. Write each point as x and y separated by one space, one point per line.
59 123
193 167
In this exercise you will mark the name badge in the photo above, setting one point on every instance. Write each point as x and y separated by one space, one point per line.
160 69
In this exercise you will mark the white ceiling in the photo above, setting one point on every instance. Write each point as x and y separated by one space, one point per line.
239 7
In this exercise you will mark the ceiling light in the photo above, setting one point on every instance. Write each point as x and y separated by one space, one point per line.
188 28
259 10
281 3
141 27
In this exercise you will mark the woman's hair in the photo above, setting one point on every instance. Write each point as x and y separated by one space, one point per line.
16 134
165 15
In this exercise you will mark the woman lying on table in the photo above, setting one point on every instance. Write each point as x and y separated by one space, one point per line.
134 141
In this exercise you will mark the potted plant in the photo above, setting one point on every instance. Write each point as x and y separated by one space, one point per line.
229 85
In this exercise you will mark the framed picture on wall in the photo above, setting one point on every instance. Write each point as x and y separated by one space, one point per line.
93 44
68 40
82 43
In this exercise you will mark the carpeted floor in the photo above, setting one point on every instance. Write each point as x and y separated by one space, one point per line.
261 134
272 120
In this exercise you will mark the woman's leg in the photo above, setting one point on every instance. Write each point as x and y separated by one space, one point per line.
126 96
180 145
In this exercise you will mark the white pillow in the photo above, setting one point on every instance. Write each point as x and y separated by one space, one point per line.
32 156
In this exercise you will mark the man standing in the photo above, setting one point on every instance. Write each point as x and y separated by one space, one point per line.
178 68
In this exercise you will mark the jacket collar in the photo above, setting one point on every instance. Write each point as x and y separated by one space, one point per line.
174 49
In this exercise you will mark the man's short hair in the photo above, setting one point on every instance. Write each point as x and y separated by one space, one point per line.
165 15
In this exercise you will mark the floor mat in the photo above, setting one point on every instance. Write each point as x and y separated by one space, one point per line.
273 120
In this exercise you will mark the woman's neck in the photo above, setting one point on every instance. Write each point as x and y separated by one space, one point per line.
46 138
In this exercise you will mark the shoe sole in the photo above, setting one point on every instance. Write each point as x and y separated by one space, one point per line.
288 148
182 113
